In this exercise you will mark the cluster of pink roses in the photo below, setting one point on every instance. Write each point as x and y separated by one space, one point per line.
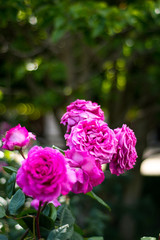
46 173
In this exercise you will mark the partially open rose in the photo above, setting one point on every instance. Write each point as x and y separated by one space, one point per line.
81 110
16 138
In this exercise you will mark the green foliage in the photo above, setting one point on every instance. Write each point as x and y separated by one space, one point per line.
98 199
61 233
53 212
2 212
64 216
11 184
52 52
3 237
16 202
10 170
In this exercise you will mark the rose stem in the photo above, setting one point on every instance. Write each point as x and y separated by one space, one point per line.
20 151
37 220
25 234
34 232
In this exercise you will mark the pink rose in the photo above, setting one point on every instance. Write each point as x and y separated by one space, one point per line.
88 172
81 110
95 137
126 154
16 138
43 173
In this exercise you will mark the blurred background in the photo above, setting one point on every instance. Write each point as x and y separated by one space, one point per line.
55 51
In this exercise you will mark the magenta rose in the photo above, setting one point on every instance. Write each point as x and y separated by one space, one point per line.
80 110
16 138
125 157
88 172
43 173
95 137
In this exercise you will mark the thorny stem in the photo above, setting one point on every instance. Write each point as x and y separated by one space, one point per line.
37 220
20 151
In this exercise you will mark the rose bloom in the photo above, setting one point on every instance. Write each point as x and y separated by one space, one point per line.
88 172
80 110
95 137
16 138
43 174
126 155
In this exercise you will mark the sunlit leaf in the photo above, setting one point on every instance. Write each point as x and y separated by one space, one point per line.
61 233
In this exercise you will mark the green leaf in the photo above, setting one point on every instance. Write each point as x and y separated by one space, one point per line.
64 216
61 233
3 237
148 238
59 149
76 236
77 229
16 202
44 221
53 212
11 185
98 199
10 170
46 210
2 212
27 212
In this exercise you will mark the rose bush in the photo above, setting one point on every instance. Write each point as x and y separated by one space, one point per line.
46 173
95 137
